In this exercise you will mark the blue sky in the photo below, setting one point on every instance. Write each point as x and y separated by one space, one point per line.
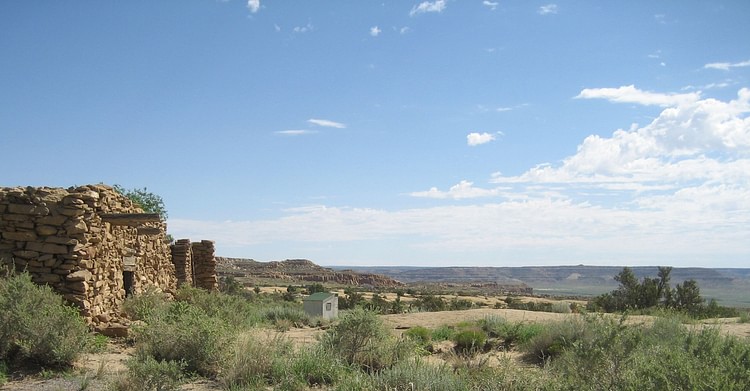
499 133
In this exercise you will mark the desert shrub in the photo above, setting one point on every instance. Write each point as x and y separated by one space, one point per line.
457 304
443 333
421 335
186 333
430 303
664 355
561 307
553 339
361 339
148 374
255 360
416 374
295 315
505 375
744 317
143 305
469 342
231 286
3 373
37 326
235 310
511 333
315 367
356 381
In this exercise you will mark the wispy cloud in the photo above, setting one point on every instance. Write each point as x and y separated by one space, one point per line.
631 94
548 9
375 31
491 4
326 123
474 139
463 190
403 30
295 132
304 29
725 66
428 6
253 5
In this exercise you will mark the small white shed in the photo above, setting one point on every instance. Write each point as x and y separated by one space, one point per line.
323 304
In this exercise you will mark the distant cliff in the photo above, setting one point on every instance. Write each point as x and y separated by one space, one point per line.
554 275
293 270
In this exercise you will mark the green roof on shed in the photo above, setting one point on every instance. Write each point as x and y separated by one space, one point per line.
320 296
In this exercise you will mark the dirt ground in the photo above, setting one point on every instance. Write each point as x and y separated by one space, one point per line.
93 371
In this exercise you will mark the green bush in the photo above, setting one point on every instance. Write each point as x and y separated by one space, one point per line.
36 325
410 375
553 339
234 310
469 342
148 374
664 355
295 315
315 367
511 333
3 373
256 361
185 333
142 306
361 339
443 333
421 335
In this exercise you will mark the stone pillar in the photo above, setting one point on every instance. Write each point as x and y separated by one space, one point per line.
204 265
182 258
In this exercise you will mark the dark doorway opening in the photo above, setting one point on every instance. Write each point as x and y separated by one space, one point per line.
127 281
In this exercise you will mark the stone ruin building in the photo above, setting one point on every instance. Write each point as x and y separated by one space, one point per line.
95 247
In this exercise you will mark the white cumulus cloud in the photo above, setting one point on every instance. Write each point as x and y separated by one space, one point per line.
473 139
428 6
253 5
375 31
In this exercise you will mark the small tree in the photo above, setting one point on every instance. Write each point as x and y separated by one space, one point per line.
146 200
688 297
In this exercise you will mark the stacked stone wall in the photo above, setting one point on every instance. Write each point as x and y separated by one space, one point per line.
204 263
68 239
182 258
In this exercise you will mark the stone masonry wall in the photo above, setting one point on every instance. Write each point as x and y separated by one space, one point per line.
204 264
76 241
182 257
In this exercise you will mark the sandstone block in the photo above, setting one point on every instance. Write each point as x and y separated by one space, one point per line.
46 230
24 236
61 240
78 227
28 209
81 275
47 248
26 254
46 278
70 211
54 220
12 217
